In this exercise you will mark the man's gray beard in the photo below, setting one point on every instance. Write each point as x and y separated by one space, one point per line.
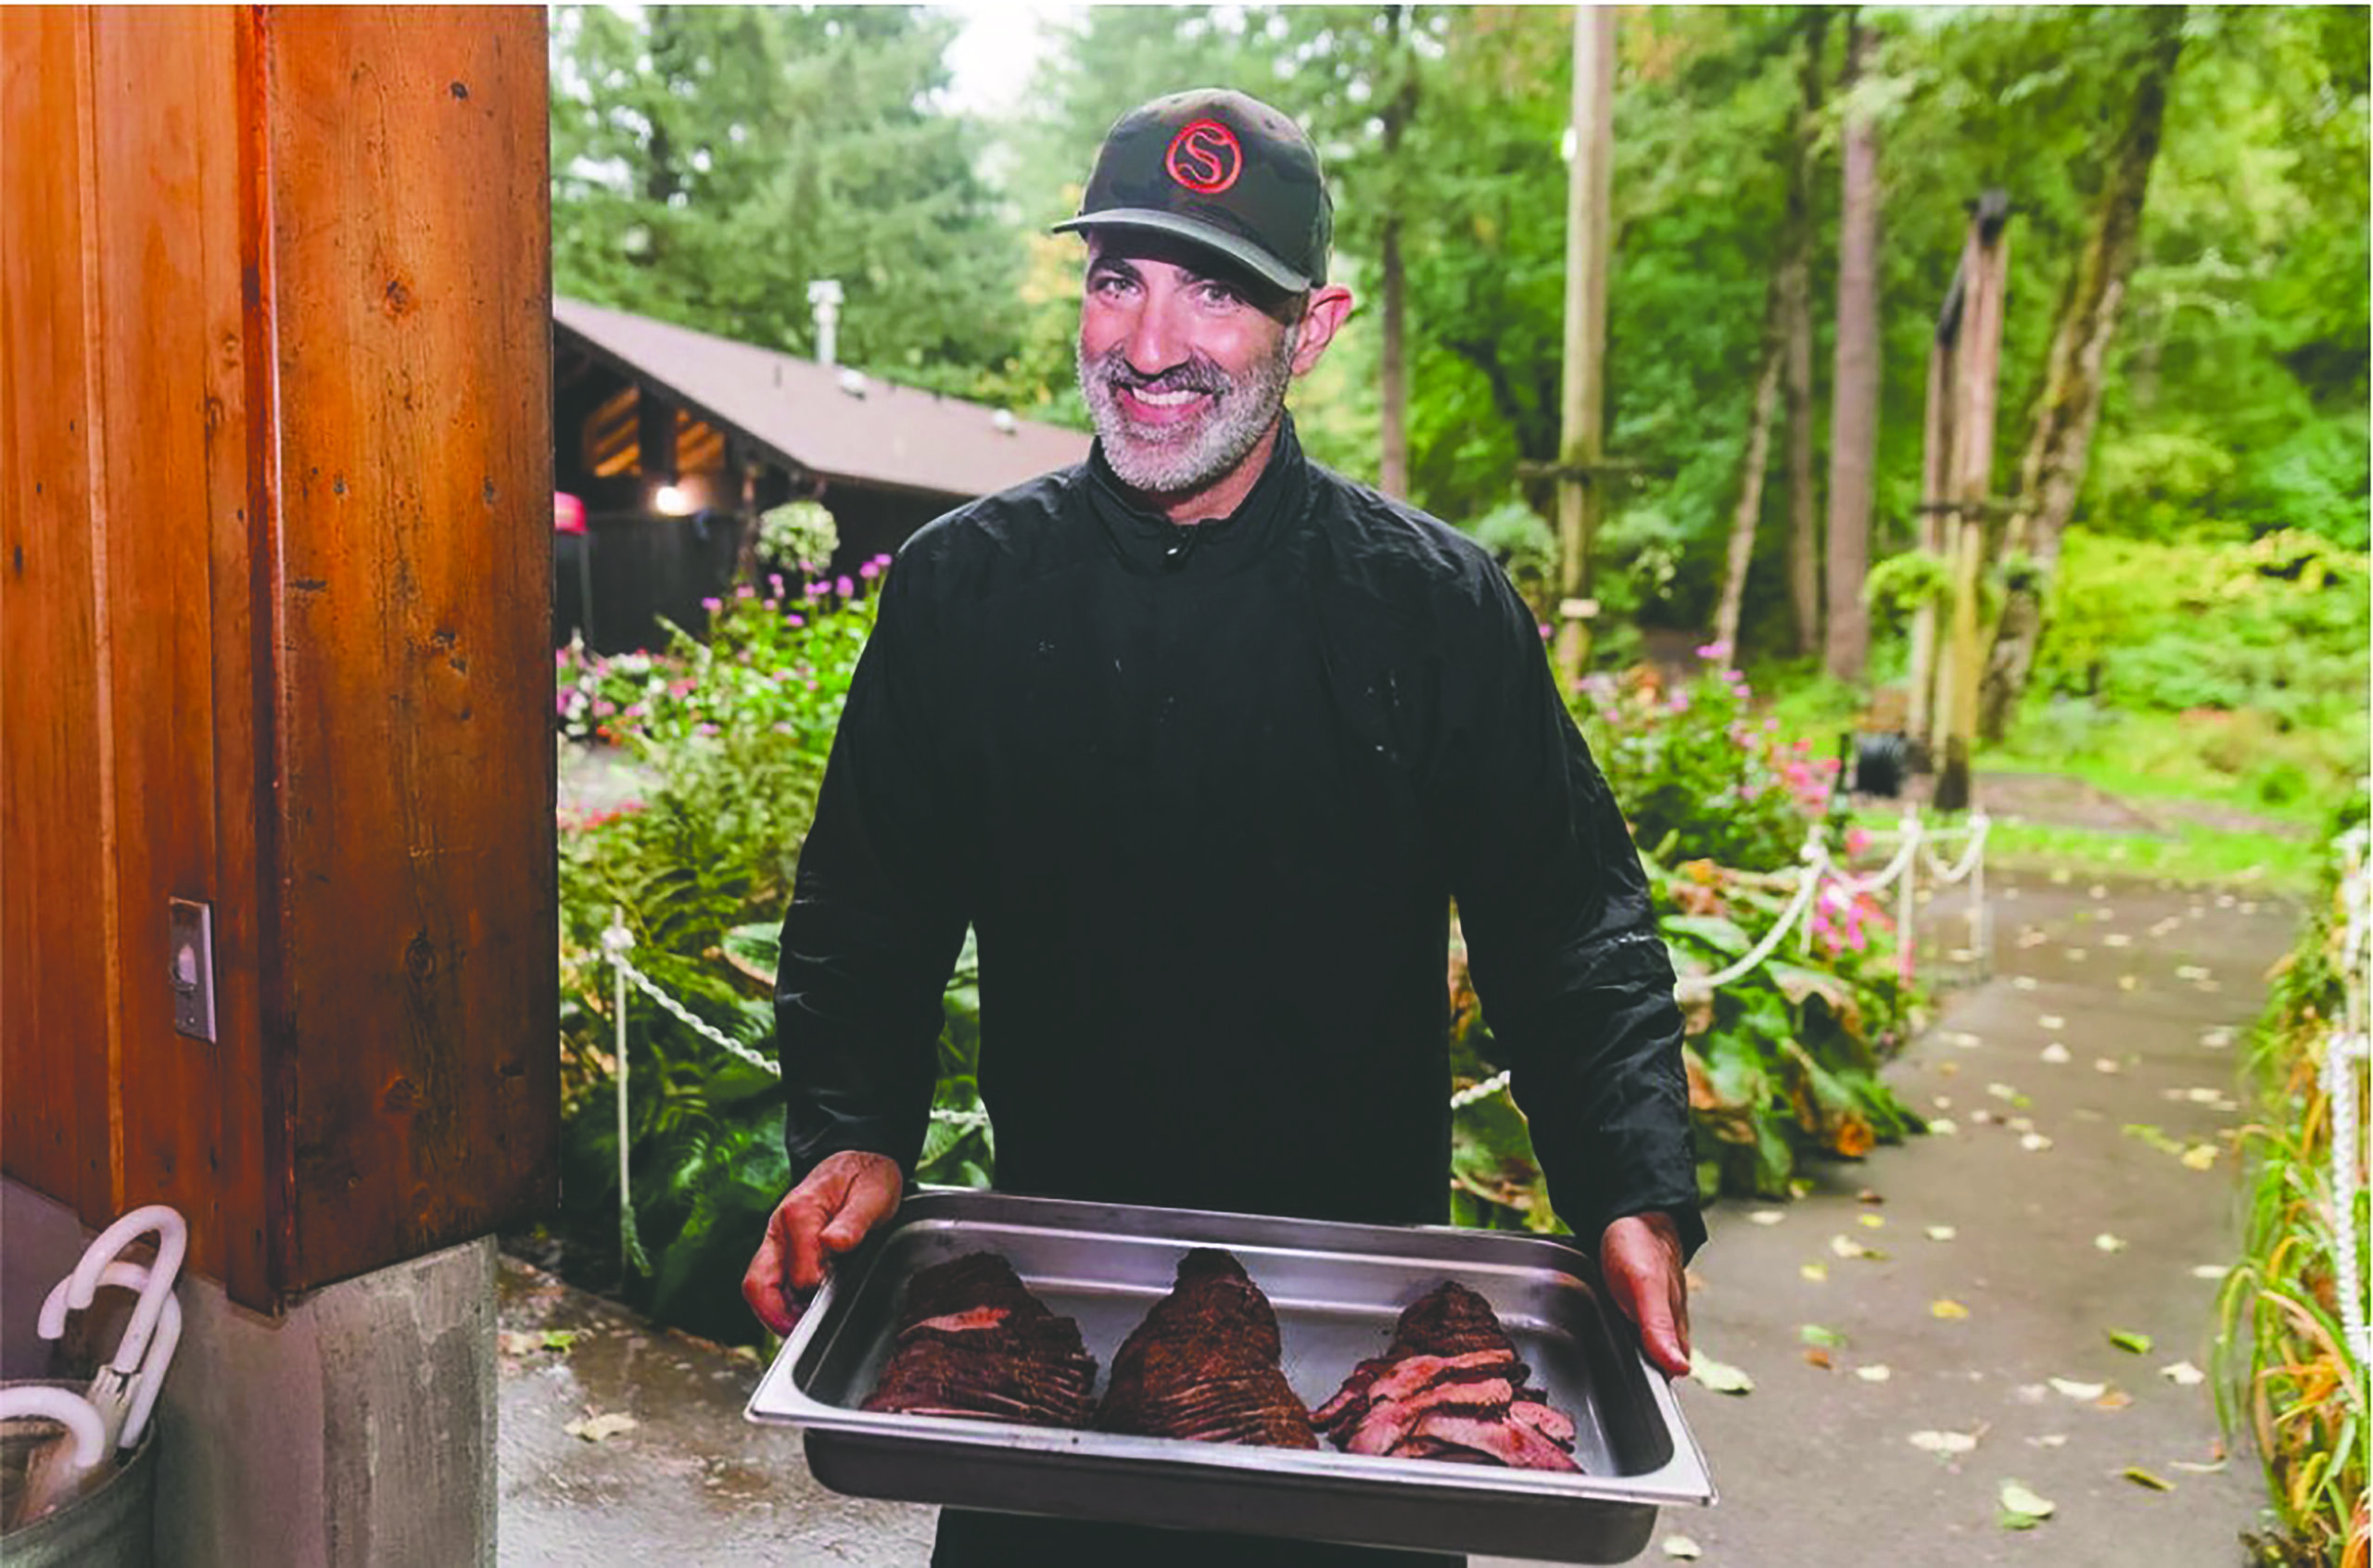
1150 457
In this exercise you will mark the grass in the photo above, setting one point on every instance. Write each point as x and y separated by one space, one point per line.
2190 854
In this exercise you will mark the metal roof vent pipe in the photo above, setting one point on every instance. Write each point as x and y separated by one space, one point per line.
824 298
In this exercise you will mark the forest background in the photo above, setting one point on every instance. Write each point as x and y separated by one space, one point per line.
2188 191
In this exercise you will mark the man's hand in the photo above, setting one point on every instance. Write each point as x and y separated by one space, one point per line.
842 1198
1640 1255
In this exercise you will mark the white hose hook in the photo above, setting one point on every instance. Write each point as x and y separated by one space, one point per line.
131 1276
65 1407
173 1244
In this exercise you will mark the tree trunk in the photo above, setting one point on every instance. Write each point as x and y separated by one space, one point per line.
1581 406
1750 506
1797 304
2053 468
1392 463
1392 458
1854 388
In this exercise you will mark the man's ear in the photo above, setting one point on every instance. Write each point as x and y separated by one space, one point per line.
1321 317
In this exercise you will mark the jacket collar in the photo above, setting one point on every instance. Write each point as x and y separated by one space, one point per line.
1147 541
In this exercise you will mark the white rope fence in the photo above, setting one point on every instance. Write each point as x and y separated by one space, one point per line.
1821 871
2343 1054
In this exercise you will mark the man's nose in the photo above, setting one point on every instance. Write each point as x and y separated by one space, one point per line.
1154 343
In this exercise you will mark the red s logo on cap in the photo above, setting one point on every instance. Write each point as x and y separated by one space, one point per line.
1204 158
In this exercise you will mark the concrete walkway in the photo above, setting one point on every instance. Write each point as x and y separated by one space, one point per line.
2052 1151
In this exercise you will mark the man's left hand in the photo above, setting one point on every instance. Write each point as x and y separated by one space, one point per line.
1640 1255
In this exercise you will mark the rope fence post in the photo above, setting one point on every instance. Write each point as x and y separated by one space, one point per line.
615 942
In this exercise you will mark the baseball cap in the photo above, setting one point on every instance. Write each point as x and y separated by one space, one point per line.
1221 169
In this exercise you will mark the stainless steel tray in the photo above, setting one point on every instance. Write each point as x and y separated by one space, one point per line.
1336 1289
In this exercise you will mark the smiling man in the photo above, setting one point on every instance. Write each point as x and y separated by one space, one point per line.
1202 739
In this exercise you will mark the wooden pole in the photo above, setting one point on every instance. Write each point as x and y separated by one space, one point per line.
1582 406
1977 363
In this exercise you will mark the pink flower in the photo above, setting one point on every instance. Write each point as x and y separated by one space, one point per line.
712 605
745 591
775 579
704 729
847 589
1544 631
869 571
1715 651
798 620
1856 840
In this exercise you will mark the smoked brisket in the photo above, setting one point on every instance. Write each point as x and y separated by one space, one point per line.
1204 1365
972 1341
1449 1387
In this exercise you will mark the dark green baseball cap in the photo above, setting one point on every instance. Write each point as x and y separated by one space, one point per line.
1220 169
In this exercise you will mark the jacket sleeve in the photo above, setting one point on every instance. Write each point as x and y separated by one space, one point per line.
875 920
1562 941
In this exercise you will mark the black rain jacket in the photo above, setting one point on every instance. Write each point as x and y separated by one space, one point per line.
1206 794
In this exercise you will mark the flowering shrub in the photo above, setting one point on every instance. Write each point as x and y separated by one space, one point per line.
1700 775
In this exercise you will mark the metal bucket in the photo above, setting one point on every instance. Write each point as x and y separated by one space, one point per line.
112 1525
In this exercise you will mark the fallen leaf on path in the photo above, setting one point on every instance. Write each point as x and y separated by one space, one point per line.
2097 891
2049 1440
1869 1195
1944 1124
2218 1038
1948 1310
2052 1022
2003 1092
1816 1273
2198 1469
1878 1373
1871 1221
2074 954
1942 1102
1945 1442
2210 1270
1719 1377
1962 1038
2105 1064
2152 1136
2192 972
2076 1390
2129 982
2023 982
1942 1232
2022 1508
2142 1477
2117 939
2116 1400
518 1342
1799 1186
2200 1157
2108 1242
2182 1374
2035 1143
2127 1340
600 1428
1682 1547
1816 1356
2055 1053
1767 1217
1827 1339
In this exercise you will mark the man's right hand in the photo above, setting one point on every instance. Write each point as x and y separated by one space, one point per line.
842 1199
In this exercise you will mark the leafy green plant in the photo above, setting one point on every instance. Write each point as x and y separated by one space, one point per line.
1699 773
2286 1372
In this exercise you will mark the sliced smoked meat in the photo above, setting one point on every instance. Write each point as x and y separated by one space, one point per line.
1449 1387
1204 1365
973 1342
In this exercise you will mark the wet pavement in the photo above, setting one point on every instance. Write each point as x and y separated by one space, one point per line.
2104 1050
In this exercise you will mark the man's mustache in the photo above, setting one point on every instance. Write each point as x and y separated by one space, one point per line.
1113 369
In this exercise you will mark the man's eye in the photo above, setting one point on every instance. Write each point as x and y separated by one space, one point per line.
1219 295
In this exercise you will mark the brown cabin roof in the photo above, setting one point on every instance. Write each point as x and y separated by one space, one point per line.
798 411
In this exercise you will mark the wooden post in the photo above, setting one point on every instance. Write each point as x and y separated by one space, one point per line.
1977 363
275 545
1935 452
1582 407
